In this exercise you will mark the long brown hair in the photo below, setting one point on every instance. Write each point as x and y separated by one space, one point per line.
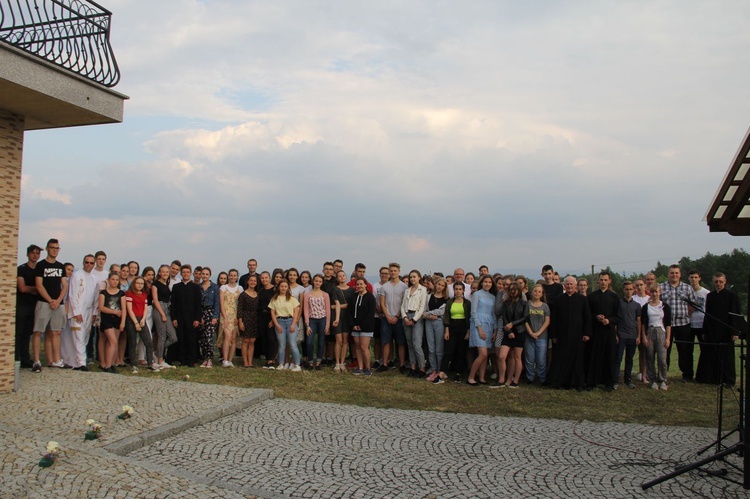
287 295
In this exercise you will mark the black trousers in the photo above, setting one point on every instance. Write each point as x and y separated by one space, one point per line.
684 337
24 332
187 343
271 343
454 350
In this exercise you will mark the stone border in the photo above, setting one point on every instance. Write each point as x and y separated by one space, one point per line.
133 443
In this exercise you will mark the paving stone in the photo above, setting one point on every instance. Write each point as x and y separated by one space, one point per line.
292 447
197 440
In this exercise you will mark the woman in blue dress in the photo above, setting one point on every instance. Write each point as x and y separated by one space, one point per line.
482 328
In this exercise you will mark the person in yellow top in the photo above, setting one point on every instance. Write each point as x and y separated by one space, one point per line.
285 312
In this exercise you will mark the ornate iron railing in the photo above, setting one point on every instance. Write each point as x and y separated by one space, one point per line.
73 34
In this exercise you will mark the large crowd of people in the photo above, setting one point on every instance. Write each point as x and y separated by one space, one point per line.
484 329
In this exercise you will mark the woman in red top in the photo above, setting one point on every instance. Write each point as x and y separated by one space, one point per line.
135 324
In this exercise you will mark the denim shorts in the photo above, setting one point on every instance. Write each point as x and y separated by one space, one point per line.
361 334
390 331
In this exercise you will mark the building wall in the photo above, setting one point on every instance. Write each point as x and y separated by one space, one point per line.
11 154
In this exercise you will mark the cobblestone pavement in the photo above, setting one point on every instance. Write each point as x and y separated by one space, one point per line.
286 448
199 440
54 405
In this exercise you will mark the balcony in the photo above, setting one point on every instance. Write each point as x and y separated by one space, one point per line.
72 34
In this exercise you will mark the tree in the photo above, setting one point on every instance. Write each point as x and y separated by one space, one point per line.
735 265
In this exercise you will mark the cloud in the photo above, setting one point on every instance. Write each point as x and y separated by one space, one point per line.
490 132
28 190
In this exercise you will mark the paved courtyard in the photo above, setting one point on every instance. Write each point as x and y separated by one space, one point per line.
189 439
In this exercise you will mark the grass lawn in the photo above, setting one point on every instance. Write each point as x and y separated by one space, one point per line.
684 404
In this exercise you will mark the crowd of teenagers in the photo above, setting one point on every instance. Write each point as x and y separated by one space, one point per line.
480 328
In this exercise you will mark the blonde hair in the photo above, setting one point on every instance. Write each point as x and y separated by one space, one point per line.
438 279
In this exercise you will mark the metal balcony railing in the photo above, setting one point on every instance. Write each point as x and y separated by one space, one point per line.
73 34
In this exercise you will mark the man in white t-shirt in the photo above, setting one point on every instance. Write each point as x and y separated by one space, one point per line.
174 273
697 315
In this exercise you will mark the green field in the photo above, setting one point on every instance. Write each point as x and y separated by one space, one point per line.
684 404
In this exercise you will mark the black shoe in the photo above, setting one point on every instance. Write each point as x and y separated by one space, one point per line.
404 370
381 369
375 364
420 374
412 373
82 368
391 365
580 389
457 379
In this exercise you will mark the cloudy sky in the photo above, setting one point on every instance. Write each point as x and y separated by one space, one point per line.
433 133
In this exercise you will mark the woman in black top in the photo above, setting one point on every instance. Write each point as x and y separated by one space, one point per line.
265 325
112 310
515 315
361 312
164 332
433 325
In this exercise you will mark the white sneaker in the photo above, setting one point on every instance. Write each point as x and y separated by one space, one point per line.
296 368
663 386
654 386
134 370
639 377
224 363
281 367
164 365
287 366
493 376
59 363
230 364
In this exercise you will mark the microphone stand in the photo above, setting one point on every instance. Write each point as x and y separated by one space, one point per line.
741 448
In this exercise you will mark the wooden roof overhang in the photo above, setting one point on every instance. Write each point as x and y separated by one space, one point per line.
730 210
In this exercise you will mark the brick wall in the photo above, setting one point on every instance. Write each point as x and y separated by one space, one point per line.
11 152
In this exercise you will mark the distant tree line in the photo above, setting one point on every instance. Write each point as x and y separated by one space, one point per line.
736 266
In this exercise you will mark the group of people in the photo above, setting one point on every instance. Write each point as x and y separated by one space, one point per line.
425 325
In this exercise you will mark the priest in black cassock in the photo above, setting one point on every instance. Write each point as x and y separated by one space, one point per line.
717 363
185 308
601 357
570 327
